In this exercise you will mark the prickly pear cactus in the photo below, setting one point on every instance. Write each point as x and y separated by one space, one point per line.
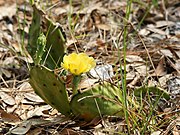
47 50
48 86
102 100
54 35
46 46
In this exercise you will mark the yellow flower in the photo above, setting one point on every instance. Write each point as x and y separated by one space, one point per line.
78 63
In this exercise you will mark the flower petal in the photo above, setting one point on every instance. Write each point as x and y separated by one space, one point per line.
78 63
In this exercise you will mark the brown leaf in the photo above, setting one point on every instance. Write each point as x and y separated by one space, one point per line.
68 131
160 71
8 117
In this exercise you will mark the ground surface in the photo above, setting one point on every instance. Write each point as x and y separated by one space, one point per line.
94 27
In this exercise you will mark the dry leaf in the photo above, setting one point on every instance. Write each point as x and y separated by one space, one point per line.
24 108
33 97
22 128
155 30
87 83
177 65
7 11
130 76
5 72
102 72
71 42
67 131
160 71
144 32
163 79
142 70
134 58
104 27
135 80
156 133
25 87
176 129
38 111
36 131
7 99
166 52
163 23
178 53
8 117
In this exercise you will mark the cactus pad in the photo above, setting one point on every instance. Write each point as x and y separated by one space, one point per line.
34 31
54 35
55 44
48 86
102 100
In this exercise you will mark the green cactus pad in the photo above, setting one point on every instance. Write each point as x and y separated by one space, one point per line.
49 87
55 38
102 100
34 31
55 43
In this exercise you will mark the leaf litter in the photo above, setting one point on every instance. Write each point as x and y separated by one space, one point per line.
96 28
